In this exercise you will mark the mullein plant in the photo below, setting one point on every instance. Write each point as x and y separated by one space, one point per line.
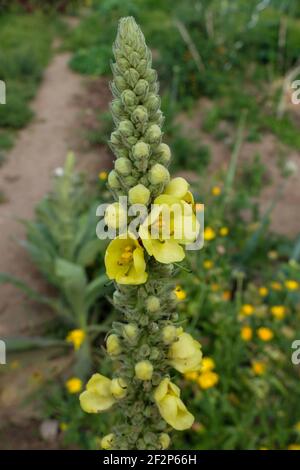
147 343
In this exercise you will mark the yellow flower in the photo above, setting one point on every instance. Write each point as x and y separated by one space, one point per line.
216 190
224 231
247 309
171 407
170 224
208 264
209 234
74 385
185 354
191 376
207 364
124 261
113 346
102 176
263 291
97 396
265 334
294 447
278 311
208 379
246 333
180 293
276 285
107 441
76 337
258 368
291 284
143 370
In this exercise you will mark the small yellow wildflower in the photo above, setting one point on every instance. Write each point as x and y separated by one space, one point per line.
63 427
208 379
247 309
246 333
273 255
258 368
290 284
102 176
74 385
209 234
226 295
208 364
208 264
294 447
180 293
276 285
265 334
224 231
76 337
193 376
216 191
263 291
278 311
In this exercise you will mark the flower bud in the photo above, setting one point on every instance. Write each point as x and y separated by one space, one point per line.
130 181
128 98
115 215
113 347
139 194
123 65
141 150
113 180
123 166
152 103
115 138
169 334
107 441
152 304
142 87
140 115
151 75
118 388
142 66
153 134
130 331
126 128
117 108
120 83
163 153
143 370
164 440
158 174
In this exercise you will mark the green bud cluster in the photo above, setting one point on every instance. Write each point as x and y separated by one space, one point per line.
141 156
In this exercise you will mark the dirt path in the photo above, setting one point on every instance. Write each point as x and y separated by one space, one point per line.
26 177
